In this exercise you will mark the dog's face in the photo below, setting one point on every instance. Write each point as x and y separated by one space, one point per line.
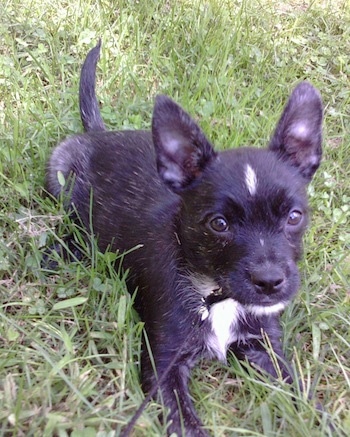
242 226
244 211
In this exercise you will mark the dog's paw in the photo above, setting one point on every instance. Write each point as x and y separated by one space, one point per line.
67 252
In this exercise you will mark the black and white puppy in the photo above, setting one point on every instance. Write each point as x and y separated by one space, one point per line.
220 233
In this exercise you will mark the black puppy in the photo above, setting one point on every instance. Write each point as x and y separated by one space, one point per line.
220 233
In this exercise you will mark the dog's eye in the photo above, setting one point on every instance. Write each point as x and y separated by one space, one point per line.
219 224
295 217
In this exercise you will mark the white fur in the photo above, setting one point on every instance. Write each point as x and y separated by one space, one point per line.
259 310
204 285
251 179
204 312
224 317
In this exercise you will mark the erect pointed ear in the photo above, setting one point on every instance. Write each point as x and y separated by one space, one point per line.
181 147
298 135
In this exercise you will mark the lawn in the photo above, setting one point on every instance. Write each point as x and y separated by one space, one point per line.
70 341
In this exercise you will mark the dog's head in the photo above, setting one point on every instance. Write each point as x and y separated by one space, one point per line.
244 211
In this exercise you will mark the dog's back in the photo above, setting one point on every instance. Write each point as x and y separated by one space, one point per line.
108 169
218 234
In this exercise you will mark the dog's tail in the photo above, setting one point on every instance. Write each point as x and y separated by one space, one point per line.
89 106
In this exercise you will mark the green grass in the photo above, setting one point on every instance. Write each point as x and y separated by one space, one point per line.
70 342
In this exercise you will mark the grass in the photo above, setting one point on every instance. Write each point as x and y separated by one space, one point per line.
70 342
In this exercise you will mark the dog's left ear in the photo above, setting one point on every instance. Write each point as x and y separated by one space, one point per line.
181 147
298 135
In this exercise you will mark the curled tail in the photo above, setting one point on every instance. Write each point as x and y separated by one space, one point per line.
89 106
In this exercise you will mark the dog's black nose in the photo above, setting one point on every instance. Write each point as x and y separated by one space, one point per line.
267 279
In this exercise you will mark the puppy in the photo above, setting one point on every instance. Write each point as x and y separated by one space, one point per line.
218 233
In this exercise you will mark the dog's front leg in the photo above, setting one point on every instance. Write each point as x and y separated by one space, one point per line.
266 353
182 418
173 389
271 361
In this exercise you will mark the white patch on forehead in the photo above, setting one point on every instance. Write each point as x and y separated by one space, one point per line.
262 242
251 179
259 310
224 317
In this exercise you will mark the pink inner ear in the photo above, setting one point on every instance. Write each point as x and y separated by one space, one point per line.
300 130
171 143
173 175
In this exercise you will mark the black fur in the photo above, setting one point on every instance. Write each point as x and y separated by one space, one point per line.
221 232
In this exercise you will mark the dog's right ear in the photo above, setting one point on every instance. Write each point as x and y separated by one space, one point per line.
181 147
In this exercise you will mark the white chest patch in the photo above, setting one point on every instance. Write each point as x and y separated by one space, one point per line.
251 180
224 317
